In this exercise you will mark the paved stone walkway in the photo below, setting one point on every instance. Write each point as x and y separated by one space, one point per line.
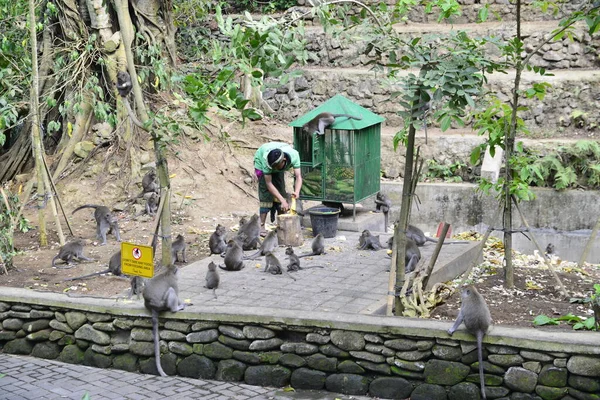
29 378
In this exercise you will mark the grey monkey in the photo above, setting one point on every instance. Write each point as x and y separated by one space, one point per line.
383 204
178 246
114 267
217 241
294 264
273 266
152 203
162 294
137 284
69 251
233 257
270 243
420 239
250 232
319 123
212 278
475 313
412 254
106 222
124 84
368 241
317 246
150 182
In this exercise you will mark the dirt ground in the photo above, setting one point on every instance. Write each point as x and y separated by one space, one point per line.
211 184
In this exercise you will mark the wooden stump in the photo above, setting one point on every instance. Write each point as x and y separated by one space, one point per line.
289 232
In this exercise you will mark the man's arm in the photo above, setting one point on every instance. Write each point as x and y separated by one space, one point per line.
273 190
298 185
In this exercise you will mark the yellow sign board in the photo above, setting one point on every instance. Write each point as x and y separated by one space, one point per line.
137 260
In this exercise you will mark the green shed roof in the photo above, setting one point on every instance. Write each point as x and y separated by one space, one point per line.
338 104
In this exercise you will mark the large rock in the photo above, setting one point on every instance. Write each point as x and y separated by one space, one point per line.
204 336
267 375
439 372
196 366
390 388
126 362
586 384
304 378
256 332
97 360
217 350
88 333
520 379
428 391
464 390
230 371
18 346
75 319
583 365
347 384
47 350
266 344
553 376
347 340
71 354
322 363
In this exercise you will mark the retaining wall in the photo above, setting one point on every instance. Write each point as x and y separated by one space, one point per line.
385 357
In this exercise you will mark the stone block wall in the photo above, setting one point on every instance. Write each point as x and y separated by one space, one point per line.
383 357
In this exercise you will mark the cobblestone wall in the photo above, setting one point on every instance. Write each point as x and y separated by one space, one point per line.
351 361
569 107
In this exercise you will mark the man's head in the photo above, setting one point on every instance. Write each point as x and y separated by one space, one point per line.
276 159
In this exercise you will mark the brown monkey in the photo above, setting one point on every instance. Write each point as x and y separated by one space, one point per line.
475 313
317 246
270 243
162 294
294 264
178 246
217 241
233 257
212 278
383 204
114 267
322 121
69 251
273 266
106 222
368 241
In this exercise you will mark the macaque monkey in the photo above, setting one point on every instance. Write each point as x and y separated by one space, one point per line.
322 121
212 278
420 239
162 294
273 266
233 257
368 241
383 204
250 231
217 241
269 244
137 284
69 251
152 203
294 264
150 182
106 222
412 254
124 84
124 87
178 246
475 313
114 267
550 252
317 246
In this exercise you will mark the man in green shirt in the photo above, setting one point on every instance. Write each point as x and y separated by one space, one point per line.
271 160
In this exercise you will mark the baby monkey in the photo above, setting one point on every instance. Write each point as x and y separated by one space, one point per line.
294 264
273 266
69 251
212 278
475 313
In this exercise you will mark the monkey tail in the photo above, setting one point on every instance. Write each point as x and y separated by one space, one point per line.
94 206
54 260
106 271
480 355
156 343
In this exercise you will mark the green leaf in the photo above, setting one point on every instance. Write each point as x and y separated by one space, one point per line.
544 320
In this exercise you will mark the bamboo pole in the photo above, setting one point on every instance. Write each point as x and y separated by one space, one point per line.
589 244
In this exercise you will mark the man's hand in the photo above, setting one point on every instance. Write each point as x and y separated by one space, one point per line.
285 207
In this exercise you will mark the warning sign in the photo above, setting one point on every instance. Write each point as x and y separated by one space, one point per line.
137 260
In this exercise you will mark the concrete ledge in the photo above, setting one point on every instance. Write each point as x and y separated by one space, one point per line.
531 339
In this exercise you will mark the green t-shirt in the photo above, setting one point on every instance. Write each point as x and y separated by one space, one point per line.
260 157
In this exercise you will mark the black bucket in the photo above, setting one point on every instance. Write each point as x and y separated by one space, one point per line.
324 220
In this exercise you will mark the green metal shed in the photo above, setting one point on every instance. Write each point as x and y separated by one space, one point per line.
344 164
